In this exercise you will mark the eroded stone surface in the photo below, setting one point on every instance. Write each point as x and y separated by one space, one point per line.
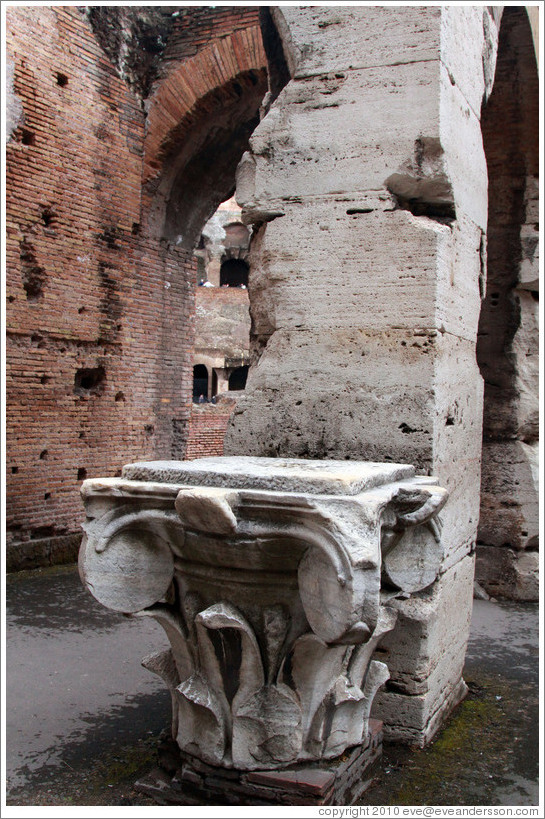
266 575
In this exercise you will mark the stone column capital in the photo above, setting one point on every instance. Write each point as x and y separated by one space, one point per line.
266 575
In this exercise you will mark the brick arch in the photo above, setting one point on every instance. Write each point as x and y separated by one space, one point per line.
177 97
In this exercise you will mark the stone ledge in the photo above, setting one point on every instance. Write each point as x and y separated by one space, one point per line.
47 551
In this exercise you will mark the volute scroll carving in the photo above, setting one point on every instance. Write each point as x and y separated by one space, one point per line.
270 598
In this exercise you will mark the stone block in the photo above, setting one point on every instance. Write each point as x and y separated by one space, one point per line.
347 134
469 41
331 39
507 573
509 496
425 654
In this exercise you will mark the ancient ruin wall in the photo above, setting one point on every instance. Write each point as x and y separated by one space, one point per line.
367 186
77 362
100 297
507 351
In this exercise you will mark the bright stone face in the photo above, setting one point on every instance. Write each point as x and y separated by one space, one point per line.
266 575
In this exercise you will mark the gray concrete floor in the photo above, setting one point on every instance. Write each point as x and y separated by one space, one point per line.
83 717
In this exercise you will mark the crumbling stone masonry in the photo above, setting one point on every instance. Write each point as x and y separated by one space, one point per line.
374 182
367 276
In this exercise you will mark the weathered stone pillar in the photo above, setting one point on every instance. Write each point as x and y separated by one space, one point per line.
366 185
508 342
274 579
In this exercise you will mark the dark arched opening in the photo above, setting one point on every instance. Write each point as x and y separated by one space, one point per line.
234 273
202 174
237 379
507 338
200 383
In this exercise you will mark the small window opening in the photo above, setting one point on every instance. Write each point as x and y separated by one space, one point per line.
82 473
237 379
200 384
62 79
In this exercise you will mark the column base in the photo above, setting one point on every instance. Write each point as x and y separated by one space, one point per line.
183 780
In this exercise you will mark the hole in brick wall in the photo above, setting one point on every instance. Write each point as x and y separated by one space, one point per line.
82 473
494 299
45 379
62 79
120 396
28 137
44 454
450 421
14 470
117 473
81 310
135 228
34 277
149 428
82 435
11 298
535 295
47 495
89 381
47 216
110 235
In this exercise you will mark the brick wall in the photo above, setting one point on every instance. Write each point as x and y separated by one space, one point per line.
100 309
197 26
207 428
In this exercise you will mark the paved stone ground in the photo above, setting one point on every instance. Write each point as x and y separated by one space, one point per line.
83 718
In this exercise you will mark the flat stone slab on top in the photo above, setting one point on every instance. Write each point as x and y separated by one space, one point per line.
272 474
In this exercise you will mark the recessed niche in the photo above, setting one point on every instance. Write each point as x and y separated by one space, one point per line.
14 470
47 495
120 396
45 379
82 473
62 79
44 455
